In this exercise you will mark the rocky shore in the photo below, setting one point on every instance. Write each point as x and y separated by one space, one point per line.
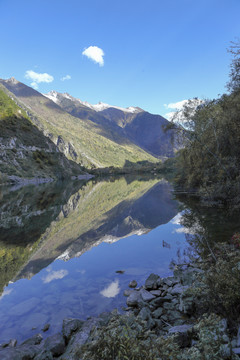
164 316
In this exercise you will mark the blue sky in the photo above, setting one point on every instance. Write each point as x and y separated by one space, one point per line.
156 52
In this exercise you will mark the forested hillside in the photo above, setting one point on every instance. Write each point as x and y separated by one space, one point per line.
209 163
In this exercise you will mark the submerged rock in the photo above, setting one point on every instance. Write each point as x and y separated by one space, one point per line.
133 284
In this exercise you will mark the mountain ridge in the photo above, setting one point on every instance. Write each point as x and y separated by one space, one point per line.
81 140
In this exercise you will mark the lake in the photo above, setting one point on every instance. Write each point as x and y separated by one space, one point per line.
71 249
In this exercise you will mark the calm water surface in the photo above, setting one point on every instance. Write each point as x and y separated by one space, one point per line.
61 245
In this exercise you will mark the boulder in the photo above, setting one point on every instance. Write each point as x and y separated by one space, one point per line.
146 295
55 344
152 282
133 284
144 313
133 298
69 326
34 340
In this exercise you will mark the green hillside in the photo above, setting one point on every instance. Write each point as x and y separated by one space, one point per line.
25 151
83 141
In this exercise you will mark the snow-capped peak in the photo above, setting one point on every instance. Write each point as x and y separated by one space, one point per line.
103 106
56 97
52 95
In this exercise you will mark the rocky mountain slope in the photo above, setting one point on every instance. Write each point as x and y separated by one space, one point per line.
25 152
138 126
82 140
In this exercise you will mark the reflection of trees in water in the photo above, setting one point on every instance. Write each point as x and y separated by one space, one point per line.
204 227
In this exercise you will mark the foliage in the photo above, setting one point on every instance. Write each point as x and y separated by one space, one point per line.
234 83
126 338
209 162
223 283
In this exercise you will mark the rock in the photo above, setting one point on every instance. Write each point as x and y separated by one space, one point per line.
156 292
151 323
178 289
168 306
132 284
44 355
26 352
133 298
146 295
78 339
144 313
158 302
46 327
70 326
157 313
12 343
183 334
4 345
34 340
127 292
55 344
152 282
169 281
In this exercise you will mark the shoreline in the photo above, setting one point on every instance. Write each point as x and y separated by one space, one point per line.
162 310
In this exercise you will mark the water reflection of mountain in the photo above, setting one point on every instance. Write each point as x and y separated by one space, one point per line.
25 214
102 211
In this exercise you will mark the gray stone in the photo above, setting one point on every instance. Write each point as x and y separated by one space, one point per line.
178 289
152 282
156 292
55 344
26 352
144 313
12 343
46 327
127 292
146 295
34 340
70 326
133 298
151 323
158 302
168 306
157 313
133 284
169 281
24 307
44 355
78 339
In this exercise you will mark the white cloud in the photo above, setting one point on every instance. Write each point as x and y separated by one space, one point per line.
112 290
6 292
67 77
94 53
38 78
54 275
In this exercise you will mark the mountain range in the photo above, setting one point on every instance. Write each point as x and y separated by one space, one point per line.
85 136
